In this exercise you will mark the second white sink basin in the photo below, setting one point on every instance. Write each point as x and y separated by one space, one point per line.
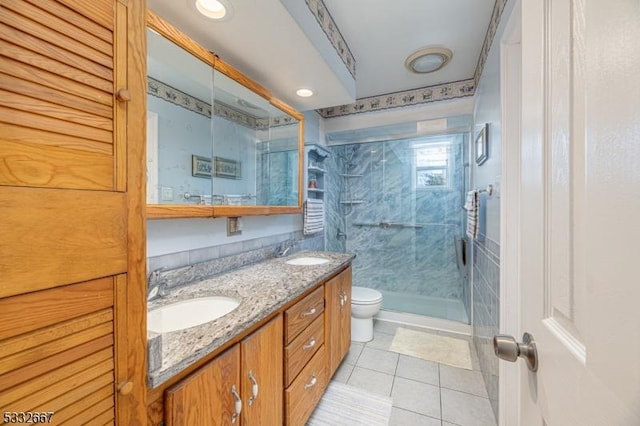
181 315
306 261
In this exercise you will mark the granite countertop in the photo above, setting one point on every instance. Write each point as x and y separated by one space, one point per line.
263 288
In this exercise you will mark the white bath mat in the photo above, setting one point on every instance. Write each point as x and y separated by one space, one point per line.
345 405
431 347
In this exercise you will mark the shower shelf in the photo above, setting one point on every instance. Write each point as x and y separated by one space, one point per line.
315 172
352 202
316 169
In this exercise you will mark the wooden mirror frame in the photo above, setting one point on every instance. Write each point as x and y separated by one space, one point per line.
169 211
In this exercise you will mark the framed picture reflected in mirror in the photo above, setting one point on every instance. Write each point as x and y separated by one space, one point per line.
226 168
201 166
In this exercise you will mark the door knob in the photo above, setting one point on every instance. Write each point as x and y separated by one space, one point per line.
508 349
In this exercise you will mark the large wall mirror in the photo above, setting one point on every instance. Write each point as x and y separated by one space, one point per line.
218 144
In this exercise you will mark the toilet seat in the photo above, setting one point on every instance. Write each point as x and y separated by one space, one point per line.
365 296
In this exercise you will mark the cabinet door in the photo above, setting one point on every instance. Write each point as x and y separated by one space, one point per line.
345 313
338 318
206 397
262 367
57 352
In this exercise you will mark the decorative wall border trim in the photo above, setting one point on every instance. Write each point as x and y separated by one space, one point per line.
328 25
498 8
177 97
423 95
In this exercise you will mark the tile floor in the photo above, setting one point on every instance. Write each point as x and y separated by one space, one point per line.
423 392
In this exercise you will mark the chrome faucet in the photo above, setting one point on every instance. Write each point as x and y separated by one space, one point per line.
284 249
156 285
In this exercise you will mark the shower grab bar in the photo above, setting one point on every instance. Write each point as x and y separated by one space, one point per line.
385 224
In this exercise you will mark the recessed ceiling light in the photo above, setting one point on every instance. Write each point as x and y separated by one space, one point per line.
304 93
214 9
428 59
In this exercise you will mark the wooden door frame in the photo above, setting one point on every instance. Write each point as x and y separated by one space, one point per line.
131 344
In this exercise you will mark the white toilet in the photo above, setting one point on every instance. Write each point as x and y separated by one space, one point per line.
365 303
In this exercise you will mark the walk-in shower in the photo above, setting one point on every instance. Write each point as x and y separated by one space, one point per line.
398 206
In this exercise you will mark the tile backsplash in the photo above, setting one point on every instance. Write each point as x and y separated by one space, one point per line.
183 267
486 315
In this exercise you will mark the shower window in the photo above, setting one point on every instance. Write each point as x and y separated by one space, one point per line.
431 165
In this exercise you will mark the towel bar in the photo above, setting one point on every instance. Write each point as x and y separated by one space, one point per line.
488 190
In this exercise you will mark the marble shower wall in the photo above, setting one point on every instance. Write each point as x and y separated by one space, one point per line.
277 174
380 186
334 218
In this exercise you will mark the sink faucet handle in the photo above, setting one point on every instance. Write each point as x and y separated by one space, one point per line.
156 285
285 247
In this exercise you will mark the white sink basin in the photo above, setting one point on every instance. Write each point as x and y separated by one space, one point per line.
306 261
181 315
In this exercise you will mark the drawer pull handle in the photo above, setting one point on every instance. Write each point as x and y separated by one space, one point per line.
238 405
311 311
343 298
254 388
310 345
312 383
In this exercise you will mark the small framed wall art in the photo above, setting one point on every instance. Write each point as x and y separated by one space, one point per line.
229 169
201 166
482 145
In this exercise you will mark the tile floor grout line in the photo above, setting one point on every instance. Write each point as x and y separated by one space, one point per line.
420 414
381 372
393 382
464 392
405 378
440 393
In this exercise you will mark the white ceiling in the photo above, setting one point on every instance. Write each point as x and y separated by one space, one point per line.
381 34
278 44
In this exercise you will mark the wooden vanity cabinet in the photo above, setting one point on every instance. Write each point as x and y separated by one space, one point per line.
291 359
205 397
250 372
338 318
306 372
262 364
304 393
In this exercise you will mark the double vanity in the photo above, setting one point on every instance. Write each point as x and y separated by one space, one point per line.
282 329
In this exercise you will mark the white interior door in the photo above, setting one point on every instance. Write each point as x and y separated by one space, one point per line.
578 220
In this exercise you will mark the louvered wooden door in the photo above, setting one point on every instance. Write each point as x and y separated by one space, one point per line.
72 293
57 353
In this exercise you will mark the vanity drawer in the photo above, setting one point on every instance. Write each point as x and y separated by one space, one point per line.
300 315
300 351
306 390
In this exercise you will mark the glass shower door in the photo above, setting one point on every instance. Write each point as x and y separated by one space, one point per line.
401 203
